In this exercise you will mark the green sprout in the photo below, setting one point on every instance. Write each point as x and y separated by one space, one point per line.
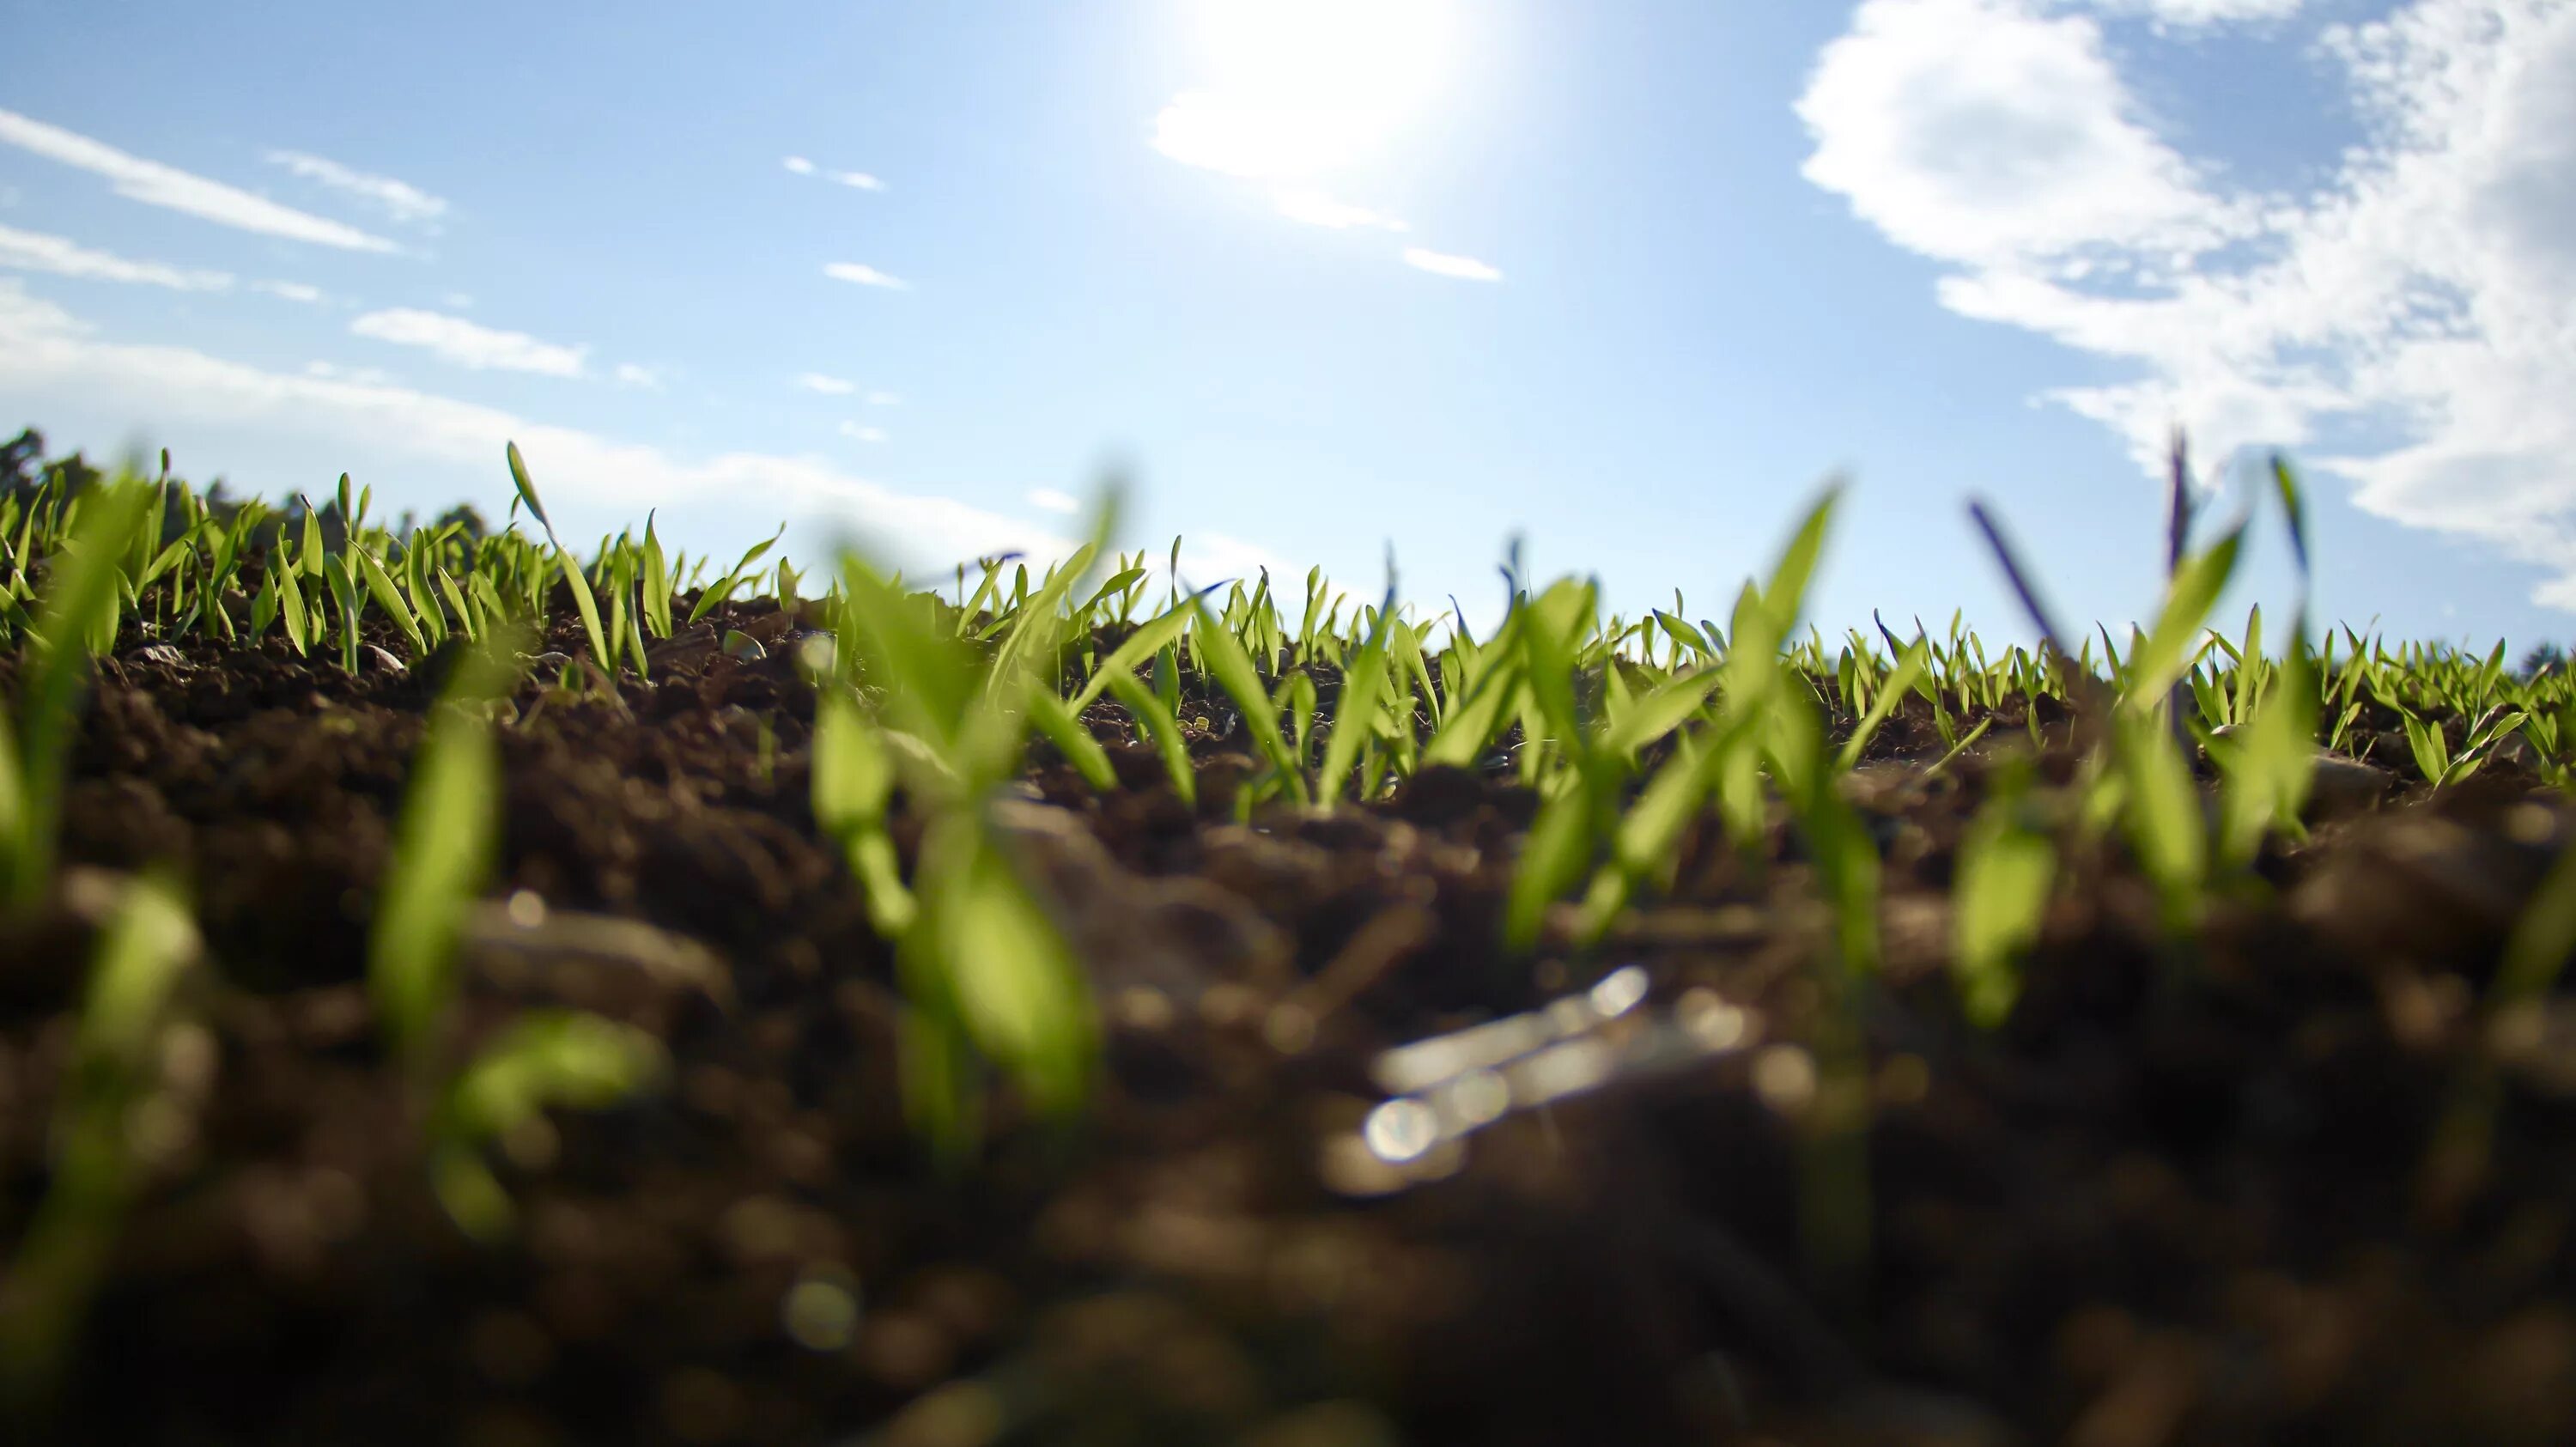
101 1125
76 620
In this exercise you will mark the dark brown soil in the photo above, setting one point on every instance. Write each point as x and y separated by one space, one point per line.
2175 1199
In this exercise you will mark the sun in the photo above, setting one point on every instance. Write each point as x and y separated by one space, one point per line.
1297 89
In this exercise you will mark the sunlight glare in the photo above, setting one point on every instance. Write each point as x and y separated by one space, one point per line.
1297 90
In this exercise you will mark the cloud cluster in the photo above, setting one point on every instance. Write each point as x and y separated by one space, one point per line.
2423 297
467 344
155 184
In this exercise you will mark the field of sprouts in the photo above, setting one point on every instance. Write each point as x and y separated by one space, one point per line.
472 986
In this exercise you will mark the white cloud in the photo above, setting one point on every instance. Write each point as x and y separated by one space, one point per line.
1984 131
1442 263
631 375
46 353
799 165
457 301
859 433
828 386
294 291
1050 500
852 271
36 251
883 399
155 184
454 339
1317 209
2426 292
398 199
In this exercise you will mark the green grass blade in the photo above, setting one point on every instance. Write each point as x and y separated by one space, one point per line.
2005 874
443 849
1553 859
657 583
1061 728
2155 667
80 602
1664 708
1222 654
1355 712
380 586
1149 639
1159 724
518 478
1909 670
147 946
709 598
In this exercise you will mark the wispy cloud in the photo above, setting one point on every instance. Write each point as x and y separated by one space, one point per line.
2426 292
1317 209
155 184
1050 500
851 271
857 180
61 256
828 386
46 354
859 433
399 199
631 375
294 291
883 399
1441 263
456 340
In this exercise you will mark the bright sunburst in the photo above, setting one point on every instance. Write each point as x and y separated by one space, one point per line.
1299 90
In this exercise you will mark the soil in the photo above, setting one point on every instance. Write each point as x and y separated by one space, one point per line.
2179 1196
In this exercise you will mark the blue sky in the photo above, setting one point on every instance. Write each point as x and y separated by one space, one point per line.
1663 266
